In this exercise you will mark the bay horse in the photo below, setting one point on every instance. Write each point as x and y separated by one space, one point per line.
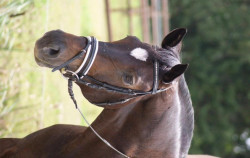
147 112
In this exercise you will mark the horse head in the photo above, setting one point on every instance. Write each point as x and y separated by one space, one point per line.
127 63
136 83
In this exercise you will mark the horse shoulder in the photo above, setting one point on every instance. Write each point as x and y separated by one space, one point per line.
54 133
51 139
8 146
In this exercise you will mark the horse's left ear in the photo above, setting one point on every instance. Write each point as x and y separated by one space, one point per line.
174 72
173 39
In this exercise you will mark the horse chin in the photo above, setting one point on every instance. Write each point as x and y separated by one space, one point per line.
43 63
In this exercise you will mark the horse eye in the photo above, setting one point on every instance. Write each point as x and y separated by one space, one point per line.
128 79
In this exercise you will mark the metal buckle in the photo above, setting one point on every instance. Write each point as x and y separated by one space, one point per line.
73 76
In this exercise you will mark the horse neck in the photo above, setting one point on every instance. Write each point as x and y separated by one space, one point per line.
152 123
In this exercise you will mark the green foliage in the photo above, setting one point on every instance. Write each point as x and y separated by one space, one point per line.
10 11
217 48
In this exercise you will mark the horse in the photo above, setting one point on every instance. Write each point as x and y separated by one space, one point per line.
147 105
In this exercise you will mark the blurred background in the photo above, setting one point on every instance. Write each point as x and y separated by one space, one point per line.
216 47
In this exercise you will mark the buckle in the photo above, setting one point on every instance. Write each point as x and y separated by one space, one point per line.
69 74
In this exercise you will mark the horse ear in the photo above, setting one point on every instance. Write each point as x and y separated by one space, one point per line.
174 72
173 39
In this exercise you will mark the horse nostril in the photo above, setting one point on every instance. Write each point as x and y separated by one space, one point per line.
51 51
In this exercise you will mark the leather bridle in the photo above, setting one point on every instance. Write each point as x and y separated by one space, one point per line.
80 76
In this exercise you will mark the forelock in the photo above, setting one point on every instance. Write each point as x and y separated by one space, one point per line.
165 56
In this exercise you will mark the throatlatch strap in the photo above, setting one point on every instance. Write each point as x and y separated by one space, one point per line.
156 75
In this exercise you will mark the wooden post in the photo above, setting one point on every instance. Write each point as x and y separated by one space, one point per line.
130 22
165 16
145 21
155 26
108 20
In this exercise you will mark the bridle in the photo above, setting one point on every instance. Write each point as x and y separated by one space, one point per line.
80 75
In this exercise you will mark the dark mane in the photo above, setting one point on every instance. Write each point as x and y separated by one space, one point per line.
187 115
167 58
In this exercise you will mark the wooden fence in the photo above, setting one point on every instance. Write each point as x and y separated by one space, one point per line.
153 14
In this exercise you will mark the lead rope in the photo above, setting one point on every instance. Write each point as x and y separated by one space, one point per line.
71 93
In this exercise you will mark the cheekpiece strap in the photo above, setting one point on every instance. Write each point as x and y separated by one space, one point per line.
156 77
